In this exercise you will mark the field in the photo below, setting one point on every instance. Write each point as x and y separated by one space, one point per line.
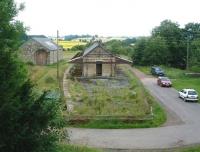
178 77
110 100
45 77
70 44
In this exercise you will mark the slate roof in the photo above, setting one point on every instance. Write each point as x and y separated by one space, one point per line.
78 58
90 48
47 43
37 36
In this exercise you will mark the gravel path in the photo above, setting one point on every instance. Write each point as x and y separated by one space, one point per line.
182 127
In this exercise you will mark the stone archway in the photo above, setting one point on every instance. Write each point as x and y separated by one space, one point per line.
41 57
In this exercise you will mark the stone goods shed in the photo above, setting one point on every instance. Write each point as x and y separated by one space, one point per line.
96 61
41 51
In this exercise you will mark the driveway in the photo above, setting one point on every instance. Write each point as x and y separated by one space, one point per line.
182 127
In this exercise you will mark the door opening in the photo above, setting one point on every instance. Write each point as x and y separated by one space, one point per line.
98 69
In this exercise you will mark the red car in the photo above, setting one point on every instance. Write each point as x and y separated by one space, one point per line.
164 82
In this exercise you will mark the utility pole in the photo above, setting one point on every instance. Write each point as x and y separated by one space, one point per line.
187 62
57 57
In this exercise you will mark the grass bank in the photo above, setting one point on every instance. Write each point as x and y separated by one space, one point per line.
45 77
75 148
189 149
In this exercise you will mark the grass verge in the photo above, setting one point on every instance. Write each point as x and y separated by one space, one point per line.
190 149
75 148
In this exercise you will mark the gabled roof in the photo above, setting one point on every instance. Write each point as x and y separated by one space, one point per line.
47 43
78 58
90 48
36 36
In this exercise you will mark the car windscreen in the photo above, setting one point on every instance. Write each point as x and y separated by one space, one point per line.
165 79
158 69
192 93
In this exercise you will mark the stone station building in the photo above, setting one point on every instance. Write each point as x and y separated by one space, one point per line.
96 61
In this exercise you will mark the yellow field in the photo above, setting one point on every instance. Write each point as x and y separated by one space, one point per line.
70 44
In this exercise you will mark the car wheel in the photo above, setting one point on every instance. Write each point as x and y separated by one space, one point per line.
184 99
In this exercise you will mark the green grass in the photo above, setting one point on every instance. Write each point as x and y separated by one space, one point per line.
144 101
190 149
103 100
170 72
193 83
45 77
178 77
75 148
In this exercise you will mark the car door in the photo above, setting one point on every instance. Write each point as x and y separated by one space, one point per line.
184 94
181 93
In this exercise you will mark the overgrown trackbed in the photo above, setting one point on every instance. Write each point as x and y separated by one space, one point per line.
182 127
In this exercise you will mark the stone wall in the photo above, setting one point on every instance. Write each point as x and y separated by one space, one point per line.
89 70
28 49
53 56
98 55
108 70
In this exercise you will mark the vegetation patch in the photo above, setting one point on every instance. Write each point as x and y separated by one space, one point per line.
112 103
45 77
75 148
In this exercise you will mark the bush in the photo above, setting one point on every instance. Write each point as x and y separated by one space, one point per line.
49 79
195 68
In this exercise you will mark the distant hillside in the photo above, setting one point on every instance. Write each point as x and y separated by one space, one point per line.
71 37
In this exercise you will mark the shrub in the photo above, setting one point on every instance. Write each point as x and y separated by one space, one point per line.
49 79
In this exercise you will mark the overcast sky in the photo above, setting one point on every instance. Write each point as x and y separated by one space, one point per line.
105 17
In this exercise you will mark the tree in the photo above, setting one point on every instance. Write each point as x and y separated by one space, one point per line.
27 118
156 51
175 41
119 47
192 30
139 51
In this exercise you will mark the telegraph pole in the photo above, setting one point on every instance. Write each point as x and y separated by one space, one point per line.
187 62
57 57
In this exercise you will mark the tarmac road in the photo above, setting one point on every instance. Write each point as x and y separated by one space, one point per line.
182 127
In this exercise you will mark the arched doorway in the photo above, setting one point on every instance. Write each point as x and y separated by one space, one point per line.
41 57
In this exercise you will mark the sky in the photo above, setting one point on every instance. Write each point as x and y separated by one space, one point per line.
105 17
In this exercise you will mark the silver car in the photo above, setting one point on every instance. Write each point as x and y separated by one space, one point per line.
188 95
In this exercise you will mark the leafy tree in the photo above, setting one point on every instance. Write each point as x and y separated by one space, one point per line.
119 47
156 51
139 51
28 120
194 55
175 41
192 31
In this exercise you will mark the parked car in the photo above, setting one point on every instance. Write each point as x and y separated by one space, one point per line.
164 82
157 71
188 95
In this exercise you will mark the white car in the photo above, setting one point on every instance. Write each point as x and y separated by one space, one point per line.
188 95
